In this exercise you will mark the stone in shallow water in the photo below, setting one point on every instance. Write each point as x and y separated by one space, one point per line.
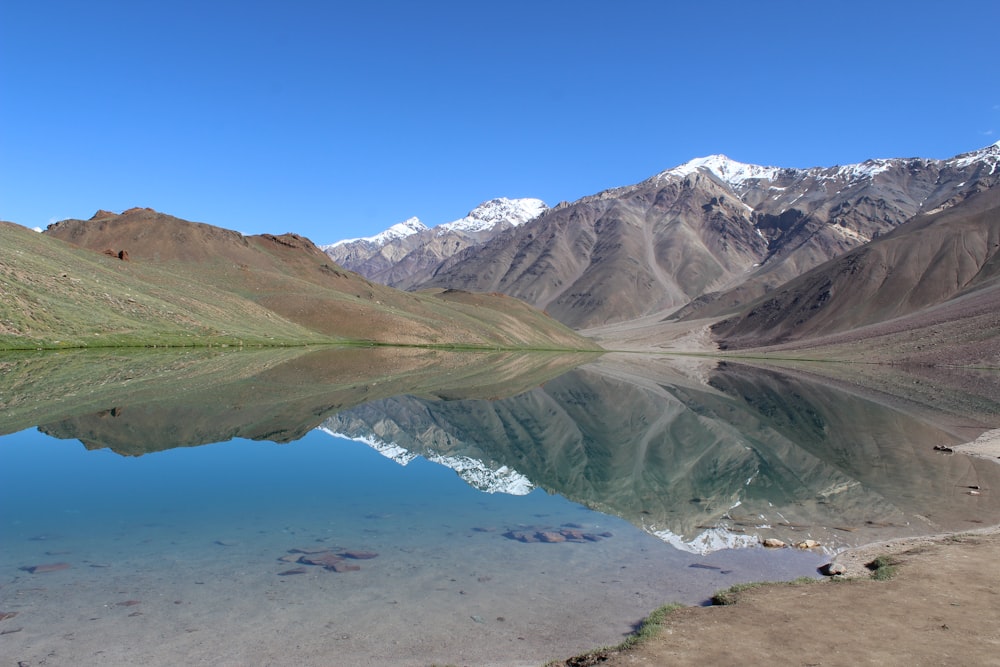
326 559
359 555
46 567
520 536
4 615
550 536
341 566
573 534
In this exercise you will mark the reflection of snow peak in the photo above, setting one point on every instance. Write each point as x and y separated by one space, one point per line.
389 450
712 539
476 473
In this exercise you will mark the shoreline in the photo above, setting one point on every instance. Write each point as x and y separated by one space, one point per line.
986 446
690 634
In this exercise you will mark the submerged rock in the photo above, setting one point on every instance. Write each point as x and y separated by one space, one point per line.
326 559
47 567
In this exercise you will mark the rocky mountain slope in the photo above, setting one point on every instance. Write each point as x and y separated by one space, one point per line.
937 270
147 273
704 238
404 254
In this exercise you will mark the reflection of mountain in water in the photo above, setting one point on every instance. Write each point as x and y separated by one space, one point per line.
754 454
478 475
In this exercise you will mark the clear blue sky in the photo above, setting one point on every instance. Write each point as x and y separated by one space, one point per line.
339 119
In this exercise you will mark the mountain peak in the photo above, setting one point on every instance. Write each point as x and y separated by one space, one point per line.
988 155
400 230
488 214
730 171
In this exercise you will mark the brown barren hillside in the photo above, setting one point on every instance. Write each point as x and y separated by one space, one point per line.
937 273
292 278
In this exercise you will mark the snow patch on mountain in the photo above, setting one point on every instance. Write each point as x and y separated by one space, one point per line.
475 473
400 230
865 170
989 155
488 214
729 171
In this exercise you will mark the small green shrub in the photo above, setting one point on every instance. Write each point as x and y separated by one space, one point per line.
883 568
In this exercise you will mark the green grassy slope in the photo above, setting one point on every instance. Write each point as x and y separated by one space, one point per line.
188 283
53 294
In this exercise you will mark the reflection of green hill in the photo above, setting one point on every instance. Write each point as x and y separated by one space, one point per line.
755 449
141 402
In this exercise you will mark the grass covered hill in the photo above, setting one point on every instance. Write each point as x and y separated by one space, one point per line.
145 278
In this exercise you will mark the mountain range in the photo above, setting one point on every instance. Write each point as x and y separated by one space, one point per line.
712 237
403 254
898 253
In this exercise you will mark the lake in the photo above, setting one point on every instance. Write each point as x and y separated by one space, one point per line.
373 507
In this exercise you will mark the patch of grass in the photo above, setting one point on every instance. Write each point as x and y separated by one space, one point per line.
732 594
883 568
648 628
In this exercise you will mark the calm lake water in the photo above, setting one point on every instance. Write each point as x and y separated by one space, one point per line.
140 525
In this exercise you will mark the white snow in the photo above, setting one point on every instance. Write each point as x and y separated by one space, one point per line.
482 218
711 539
865 170
488 214
730 171
400 230
390 450
476 473
989 155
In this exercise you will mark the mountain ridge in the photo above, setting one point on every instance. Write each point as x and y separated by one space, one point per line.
703 238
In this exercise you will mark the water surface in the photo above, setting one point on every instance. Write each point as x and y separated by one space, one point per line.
177 491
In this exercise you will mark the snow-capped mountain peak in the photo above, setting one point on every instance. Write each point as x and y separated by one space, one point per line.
400 230
730 171
989 155
488 214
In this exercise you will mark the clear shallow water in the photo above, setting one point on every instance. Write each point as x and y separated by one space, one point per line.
174 560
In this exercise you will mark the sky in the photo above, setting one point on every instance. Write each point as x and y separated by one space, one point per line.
336 119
